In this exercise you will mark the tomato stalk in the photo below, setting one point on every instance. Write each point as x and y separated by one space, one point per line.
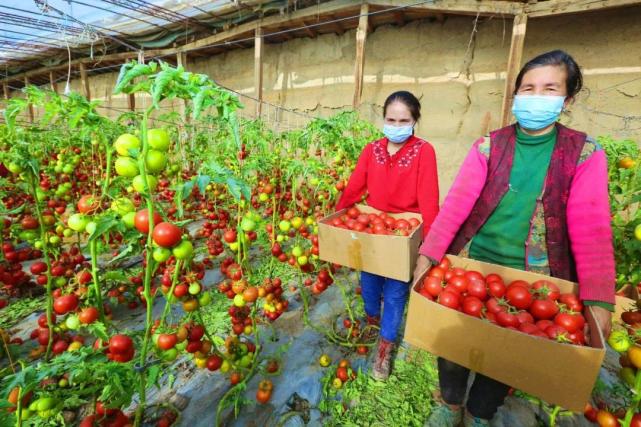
45 252
93 249
142 167
174 282
19 408
105 184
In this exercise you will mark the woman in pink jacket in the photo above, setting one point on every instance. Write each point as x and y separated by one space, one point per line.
532 196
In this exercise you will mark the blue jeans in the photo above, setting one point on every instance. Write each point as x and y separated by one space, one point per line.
394 293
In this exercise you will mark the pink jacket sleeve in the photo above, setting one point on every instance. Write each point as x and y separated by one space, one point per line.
458 204
588 216
427 189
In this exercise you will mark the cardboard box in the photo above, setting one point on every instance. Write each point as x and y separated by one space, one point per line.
561 374
388 256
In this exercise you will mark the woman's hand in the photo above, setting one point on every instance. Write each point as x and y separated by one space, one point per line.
600 317
423 263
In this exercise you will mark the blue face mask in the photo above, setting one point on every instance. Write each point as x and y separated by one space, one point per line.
398 134
535 112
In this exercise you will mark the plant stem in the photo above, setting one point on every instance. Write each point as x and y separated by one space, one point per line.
93 249
105 184
174 282
148 269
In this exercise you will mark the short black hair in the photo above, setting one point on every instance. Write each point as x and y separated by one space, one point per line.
407 98
574 79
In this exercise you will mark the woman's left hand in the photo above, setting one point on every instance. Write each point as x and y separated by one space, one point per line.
600 317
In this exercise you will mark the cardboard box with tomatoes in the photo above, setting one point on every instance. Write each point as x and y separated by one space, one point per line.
370 240
558 373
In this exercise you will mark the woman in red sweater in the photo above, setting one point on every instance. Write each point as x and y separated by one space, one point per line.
398 174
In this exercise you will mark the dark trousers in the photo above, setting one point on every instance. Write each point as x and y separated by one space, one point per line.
486 394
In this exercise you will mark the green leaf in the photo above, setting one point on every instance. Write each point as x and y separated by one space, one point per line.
99 329
153 375
104 225
123 254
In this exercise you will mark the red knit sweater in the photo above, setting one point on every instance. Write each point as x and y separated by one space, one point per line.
404 182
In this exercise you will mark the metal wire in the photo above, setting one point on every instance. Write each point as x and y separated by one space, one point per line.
116 13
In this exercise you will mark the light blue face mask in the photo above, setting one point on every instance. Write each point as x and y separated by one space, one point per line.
535 112
398 134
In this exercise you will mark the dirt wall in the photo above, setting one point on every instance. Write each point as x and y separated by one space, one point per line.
457 73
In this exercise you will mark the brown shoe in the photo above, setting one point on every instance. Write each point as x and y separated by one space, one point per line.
382 364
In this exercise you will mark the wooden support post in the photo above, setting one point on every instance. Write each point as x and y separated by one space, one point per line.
52 82
361 36
85 82
513 65
30 109
5 89
258 70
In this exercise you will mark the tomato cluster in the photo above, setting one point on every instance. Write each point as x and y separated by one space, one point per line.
382 223
344 373
62 340
538 309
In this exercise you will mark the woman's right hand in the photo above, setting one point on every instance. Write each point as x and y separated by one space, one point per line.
423 264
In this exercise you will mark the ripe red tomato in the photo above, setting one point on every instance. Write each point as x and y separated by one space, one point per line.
496 288
473 306
28 223
506 319
401 224
167 341
493 306
120 344
449 299
433 286
556 332
363 219
437 272
341 372
546 289
493 277
141 220
544 324
88 204
414 222
476 288
230 235
214 362
606 419
572 302
474 275
88 315
353 213
518 296
445 264
65 304
572 322
166 235
544 308
529 328
524 317
460 283
38 267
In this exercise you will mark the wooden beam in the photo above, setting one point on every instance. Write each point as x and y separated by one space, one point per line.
462 7
400 18
563 7
52 82
107 58
86 91
258 69
309 31
361 36
30 106
5 89
513 65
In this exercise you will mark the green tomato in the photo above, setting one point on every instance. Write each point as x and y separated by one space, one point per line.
58 168
91 227
125 142
169 355
302 260
123 206
78 222
637 232
619 341
247 225
68 232
233 246
161 254
284 226
183 250
194 288
55 240
67 169
156 161
28 235
43 404
263 197
205 299
297 251
38 244
139 183
126 166
158 139
181 346
14 168
280 238
60 282
129 219
72 322
246 361
627 375
239 301
314 181
225 366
